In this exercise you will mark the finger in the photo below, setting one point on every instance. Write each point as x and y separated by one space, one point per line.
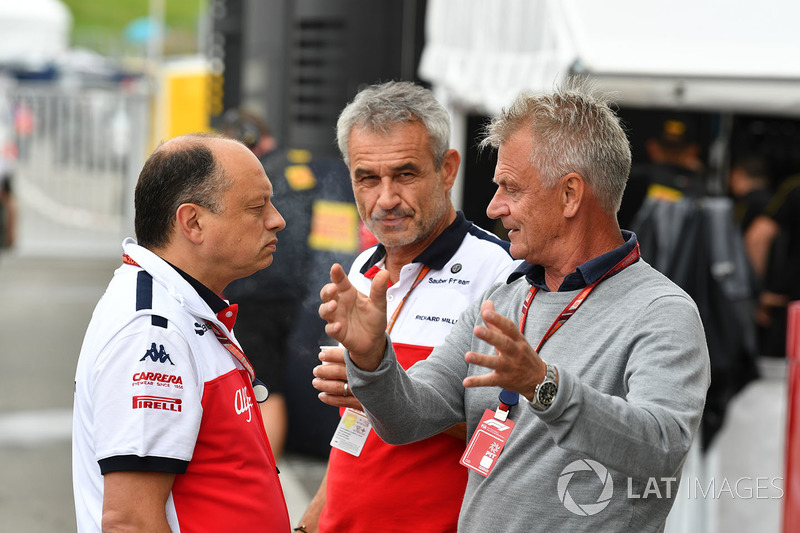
480 359
378 288
501 341
330 386
340 401
330 371
492 379
328 292
332 355
339 277
495 320
333 330
327 309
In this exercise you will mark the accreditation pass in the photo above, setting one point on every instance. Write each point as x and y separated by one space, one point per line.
352 431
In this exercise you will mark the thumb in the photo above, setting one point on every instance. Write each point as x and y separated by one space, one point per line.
378 288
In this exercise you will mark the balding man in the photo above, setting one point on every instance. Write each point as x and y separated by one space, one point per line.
167 434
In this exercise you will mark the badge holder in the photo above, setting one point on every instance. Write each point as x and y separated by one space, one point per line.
352 432
490 436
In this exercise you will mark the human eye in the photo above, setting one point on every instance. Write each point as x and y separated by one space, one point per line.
367 180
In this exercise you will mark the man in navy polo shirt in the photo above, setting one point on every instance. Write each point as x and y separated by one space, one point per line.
395 139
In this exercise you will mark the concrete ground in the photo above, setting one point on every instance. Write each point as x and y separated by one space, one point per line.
47 303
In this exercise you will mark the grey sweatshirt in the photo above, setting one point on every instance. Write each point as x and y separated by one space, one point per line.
633 373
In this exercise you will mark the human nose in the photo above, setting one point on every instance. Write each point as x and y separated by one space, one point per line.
496 207
387 194
275 220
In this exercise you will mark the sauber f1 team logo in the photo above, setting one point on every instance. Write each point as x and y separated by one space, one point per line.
157 402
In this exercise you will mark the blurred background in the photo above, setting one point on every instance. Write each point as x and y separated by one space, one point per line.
88 88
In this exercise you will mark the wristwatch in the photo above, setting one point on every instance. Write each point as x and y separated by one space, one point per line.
545 392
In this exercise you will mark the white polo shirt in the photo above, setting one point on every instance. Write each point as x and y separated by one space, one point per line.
424 478
156 391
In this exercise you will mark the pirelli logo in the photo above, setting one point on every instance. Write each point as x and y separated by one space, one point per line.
157 402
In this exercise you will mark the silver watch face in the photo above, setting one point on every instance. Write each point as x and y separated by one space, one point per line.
546 393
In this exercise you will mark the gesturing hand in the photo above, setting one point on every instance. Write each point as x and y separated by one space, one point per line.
516 367
355 320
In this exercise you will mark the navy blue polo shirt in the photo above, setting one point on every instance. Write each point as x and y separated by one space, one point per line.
585 274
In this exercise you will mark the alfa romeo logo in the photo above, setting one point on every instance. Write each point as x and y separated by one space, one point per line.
585 509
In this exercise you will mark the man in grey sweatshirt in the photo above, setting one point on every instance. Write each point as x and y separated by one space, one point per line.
601 360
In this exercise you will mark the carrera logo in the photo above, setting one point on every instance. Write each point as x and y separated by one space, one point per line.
162 380
157 355
157 402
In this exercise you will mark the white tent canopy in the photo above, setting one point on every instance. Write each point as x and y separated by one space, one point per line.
732 55
33 32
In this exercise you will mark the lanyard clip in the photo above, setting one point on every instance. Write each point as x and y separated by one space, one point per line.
508 399
502 412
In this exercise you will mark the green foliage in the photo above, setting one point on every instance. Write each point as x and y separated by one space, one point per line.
100 24
116 14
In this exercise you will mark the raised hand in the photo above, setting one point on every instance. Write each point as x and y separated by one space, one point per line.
516 367
355 320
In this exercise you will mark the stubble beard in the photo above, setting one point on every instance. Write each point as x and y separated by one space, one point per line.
418 229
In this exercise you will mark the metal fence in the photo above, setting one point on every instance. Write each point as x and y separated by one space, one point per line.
79 153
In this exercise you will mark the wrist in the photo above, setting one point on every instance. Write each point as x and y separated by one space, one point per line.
535 382
545 392
372 358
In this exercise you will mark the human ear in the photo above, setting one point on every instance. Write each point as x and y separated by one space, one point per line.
572 189
188 219
452 160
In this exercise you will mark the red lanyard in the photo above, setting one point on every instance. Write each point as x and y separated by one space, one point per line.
576 302
221 337
233 348
420 277
508 398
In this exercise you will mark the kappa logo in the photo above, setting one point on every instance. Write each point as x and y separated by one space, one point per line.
158 355
200 329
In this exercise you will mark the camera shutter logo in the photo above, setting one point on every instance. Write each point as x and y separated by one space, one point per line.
585 509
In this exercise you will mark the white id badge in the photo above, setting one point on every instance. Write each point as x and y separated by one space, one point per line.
352 431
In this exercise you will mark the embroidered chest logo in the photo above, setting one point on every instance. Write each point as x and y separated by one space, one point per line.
200 329
243 402
157 355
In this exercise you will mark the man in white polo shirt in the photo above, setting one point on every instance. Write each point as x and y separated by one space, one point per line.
395 139
167 434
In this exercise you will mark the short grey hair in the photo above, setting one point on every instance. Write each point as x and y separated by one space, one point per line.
382 106
574 129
